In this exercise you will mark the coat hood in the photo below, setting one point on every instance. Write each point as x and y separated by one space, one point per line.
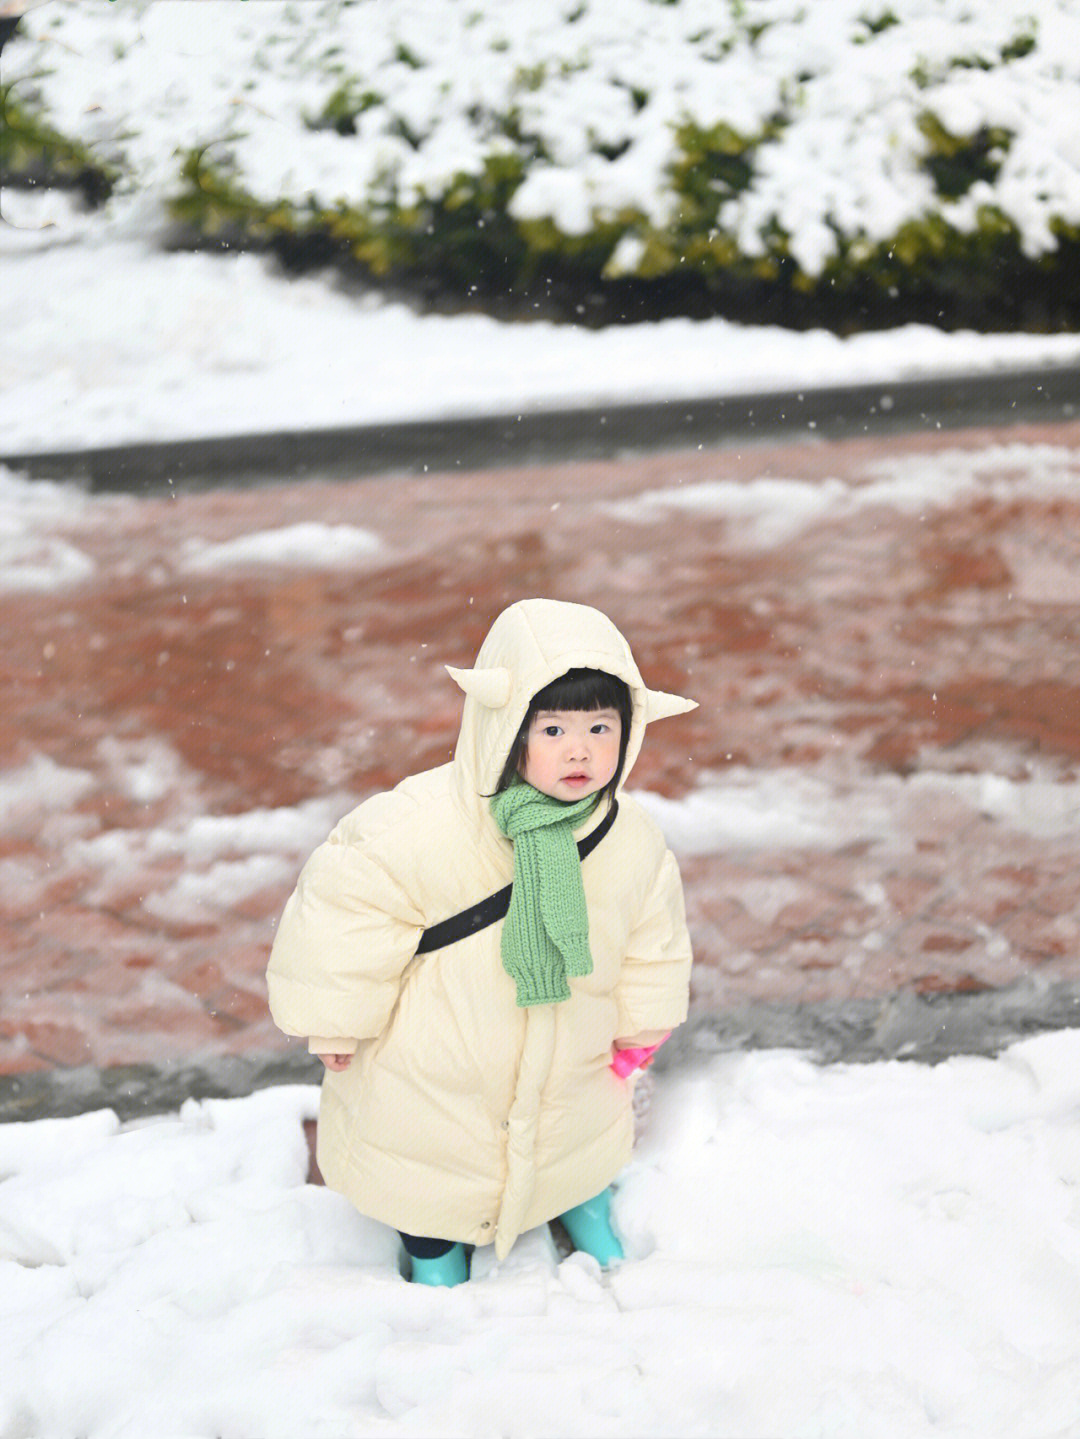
529 645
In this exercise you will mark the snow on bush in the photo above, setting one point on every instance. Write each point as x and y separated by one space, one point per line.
612 138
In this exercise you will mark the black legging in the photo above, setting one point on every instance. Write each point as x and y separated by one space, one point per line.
418 1247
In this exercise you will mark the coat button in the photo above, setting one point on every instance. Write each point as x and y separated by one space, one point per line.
486 1224
505 1124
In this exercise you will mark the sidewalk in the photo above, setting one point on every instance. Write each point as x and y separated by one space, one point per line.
882 635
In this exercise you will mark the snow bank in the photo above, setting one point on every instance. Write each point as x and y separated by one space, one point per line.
744 810
39 788
201 865
308 546
772 510
225 345
31 560
851 1252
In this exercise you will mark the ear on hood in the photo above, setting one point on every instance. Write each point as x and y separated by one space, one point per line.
492 687
659 705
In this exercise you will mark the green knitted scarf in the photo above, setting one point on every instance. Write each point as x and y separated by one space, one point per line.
546 933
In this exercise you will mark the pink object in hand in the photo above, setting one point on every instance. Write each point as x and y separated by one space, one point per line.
625 1061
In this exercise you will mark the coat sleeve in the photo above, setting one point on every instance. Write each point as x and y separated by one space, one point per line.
346 934
653 992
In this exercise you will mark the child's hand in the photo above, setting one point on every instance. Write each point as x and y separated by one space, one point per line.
336 1062
628 1055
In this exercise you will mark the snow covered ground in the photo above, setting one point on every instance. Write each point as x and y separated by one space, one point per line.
877 1252
172 346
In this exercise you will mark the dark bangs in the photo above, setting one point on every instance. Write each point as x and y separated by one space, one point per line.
576 690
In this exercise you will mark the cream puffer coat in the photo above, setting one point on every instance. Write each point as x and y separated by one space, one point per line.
463 1116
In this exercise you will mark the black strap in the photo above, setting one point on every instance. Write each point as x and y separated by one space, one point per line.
479 916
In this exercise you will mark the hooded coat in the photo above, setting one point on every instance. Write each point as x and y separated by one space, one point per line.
462 1115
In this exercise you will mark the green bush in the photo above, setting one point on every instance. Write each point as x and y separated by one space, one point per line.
673 245
956 162
32 152
463 247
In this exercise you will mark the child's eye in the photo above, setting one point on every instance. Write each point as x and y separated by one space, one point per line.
601 727
551 730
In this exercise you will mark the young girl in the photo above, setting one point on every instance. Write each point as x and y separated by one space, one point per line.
470 1093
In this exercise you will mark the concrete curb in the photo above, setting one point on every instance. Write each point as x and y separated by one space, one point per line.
1047 395
137 1090
923 1028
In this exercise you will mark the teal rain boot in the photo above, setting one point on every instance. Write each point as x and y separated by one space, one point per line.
449 1269
589 1227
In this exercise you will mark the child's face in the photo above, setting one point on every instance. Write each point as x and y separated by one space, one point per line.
572 753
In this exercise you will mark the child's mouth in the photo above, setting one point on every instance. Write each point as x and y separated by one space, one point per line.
576 779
